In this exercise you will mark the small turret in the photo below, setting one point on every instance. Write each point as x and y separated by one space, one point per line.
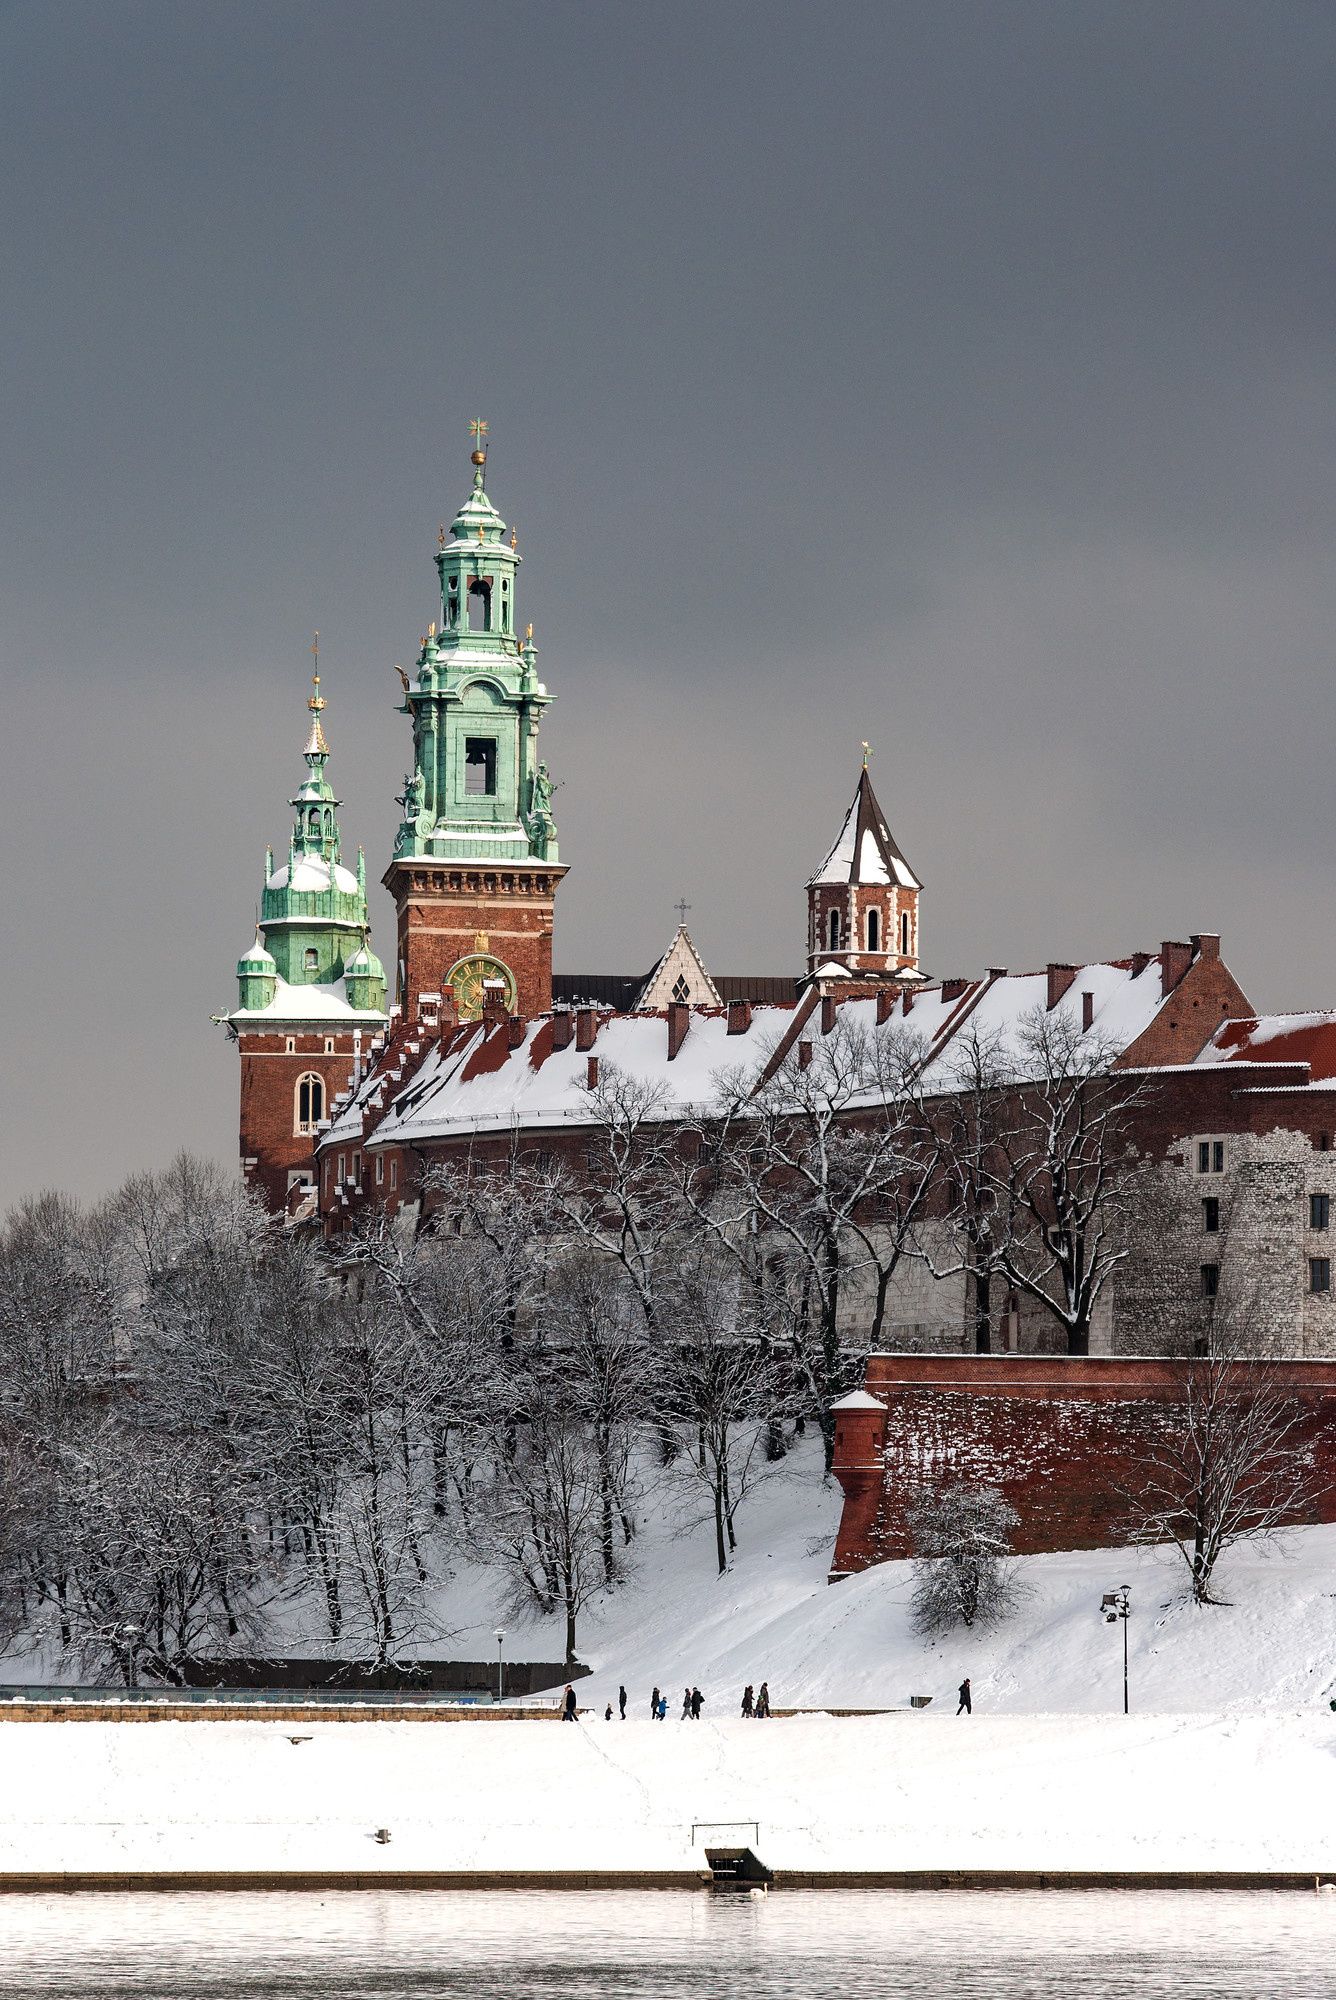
257 976
364 980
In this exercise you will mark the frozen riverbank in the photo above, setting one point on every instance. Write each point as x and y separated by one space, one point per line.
909 1791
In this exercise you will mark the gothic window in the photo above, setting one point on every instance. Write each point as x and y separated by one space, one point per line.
290 1047
310 1102
480 604
681 991
329 1045
904 934
874 930
480 766
834 930
311 959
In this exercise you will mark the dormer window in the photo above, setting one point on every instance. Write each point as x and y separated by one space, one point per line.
480 767
311 959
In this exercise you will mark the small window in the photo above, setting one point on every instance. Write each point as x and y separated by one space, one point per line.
1319 1274
681 991
480 767
1203 1156
904 933
874 930
343 1168
1324 1142
329 1045
1319 1211
1210 1156
834 930
1211 1214
357 1170
394 1173
291 1046
380 1170
1218 1156
1210 1280
311 959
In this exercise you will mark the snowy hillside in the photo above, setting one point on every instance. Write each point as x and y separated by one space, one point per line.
773 1617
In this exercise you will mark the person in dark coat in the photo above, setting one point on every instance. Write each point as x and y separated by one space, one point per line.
697 1704
654 1705
569 1706
763 1700
748 1700
607 1713
964 1693
621 1702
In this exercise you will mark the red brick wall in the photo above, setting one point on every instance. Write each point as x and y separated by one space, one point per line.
1059 1437
1206 995
268 1081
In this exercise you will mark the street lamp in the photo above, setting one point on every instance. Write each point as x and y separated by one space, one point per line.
500 1636
130 1633
1117 1604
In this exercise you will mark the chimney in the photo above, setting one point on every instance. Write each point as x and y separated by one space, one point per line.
1140 960
827 1012
1087 1011
1206 944
494 1007
909 998
561 1030
679 1020
885 1005
592 1072
739 1016
515 1032
1060 978
1175 959
586 1027
953 988
804 1054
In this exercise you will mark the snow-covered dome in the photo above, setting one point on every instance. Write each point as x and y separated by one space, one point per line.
257 963
363 964
312 875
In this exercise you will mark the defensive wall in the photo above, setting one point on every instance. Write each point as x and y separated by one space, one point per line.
1062 1438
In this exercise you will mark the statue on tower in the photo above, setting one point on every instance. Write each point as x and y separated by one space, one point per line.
538 821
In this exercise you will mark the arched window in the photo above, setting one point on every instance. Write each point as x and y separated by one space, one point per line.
480 604
834 930
311 959
874 930
904 933
310 1104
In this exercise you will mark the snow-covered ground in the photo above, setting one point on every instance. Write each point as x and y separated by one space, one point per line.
774 1617
1226 1761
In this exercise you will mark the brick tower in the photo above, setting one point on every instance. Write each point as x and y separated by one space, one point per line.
312 995
862 903
475 867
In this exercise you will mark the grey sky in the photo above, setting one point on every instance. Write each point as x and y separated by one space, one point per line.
957 376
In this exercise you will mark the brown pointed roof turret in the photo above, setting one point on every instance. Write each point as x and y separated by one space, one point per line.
865 851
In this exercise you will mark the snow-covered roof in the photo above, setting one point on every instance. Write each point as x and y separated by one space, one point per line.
312 874
320 1001
859 1400
865 851
1276 1038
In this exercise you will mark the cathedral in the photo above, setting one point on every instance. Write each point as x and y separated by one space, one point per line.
474 877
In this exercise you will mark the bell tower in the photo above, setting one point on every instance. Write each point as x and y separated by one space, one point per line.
475 868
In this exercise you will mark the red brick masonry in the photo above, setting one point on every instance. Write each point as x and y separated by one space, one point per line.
1059 1436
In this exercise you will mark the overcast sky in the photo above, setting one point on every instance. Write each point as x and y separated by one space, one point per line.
957 376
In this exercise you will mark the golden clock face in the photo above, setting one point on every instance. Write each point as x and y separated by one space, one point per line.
468 979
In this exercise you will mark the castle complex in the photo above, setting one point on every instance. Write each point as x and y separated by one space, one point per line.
351 1086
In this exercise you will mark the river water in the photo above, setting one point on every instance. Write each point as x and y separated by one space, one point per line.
814 1945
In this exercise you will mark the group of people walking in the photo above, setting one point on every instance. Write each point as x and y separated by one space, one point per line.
693 1701
756 1704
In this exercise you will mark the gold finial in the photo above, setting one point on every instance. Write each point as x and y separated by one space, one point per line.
528 631
480 531
514 536
866 754
431 629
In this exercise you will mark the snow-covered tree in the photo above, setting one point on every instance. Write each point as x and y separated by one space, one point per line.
964 1573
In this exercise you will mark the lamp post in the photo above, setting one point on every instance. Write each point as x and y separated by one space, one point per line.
1118 1604
131 1633
500 1636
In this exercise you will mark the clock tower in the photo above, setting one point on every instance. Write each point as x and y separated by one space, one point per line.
475 868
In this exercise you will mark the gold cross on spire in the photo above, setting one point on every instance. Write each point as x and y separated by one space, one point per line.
317 700
866 754
478 430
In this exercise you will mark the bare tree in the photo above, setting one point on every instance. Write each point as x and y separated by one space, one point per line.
1227 1460
963 1570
